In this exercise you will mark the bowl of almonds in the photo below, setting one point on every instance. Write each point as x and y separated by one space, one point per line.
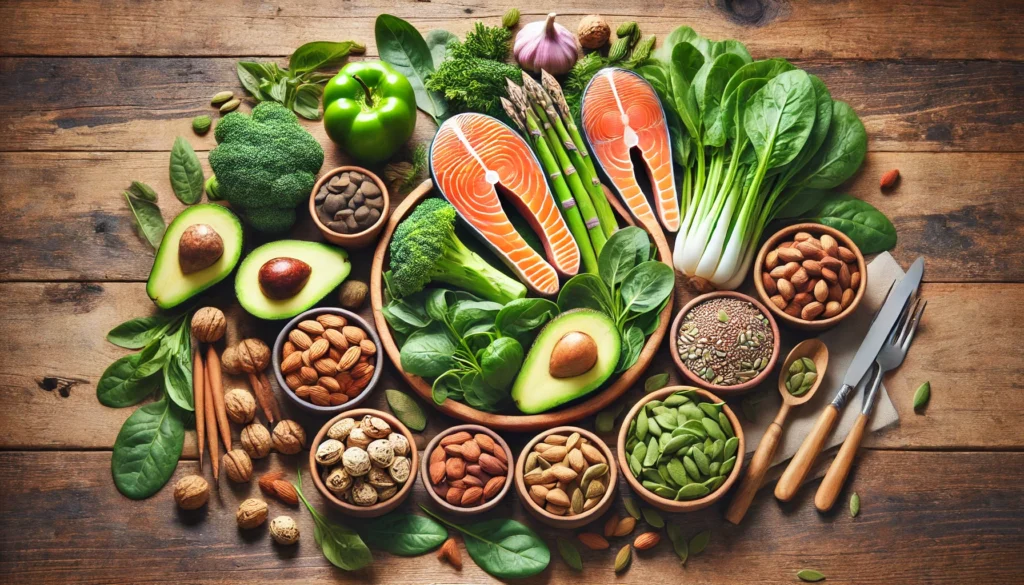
467 470
810 276
326 360
364 462
566 477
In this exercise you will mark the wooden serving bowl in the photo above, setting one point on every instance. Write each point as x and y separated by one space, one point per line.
510 422
567 522
380 508
697 380
678 505
817 229
357 240
305 404
460 511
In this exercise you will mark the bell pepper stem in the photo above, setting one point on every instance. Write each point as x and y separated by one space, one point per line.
366 88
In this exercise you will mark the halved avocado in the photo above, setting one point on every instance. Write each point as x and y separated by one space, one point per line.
573 355
168 284
327 267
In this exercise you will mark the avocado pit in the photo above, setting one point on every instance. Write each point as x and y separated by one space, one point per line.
199 247
574 354
283 278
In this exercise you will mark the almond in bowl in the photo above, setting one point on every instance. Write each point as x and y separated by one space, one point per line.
467 470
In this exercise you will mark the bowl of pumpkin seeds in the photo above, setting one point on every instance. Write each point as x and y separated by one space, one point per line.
680 448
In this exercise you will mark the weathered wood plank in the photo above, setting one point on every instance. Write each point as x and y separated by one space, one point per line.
945 29
65 522
961 210
54 351
142 104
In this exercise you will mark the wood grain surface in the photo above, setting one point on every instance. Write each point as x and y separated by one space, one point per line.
95 92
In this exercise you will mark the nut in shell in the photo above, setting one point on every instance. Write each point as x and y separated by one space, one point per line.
399 444
289 438
329 452
284 530
191 492
256 441
338 481
380 452
238 465
386 493
357 438
240 406
375 427
400 469
251 513
379 478
356 461
363 494
340 430
209 325
253 355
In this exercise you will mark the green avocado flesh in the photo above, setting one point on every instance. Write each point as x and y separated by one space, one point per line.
330 266
536 390
168 286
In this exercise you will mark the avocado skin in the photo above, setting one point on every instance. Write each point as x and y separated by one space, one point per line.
536 391
167 286
329 267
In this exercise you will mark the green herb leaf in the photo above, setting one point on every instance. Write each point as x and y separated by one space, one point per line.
320 54
141 190
137 333
655 382
632 345
148 221
130 379
679 544
340 545
869 228
586 291
251 75
147 450
504 548
854 505
437 41
646 286
652 517
402 46
569 553
631 507
922 395
406 409
623 251
186 172
522 318
307 100
810 576
700 542
178 379
428 352
405 535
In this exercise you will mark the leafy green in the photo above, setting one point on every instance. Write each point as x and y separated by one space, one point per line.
318 55
869 228
405 535
131 378
186 172
147 449
406 409
438 41
148 221
522 318
402 46
137 333
569 553
178 369
504 548
341 545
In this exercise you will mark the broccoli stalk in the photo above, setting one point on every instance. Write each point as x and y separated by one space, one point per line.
425 249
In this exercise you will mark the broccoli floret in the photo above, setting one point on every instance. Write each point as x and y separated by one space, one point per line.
425 249
264 165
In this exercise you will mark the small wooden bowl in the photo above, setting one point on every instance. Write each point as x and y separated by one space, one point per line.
677 505
305 404
567 522
380 508
459 510
697 380
787 233
357 240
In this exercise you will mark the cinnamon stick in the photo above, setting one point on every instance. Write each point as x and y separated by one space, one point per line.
211 426
199 400
217 389
265 397
270 395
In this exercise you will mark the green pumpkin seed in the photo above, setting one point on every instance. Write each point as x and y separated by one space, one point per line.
854 505
675 534
711 410
677 472
593 472
622 559
230 106
808 364
543 463
723 422
664 492
691 411
700 542
697 426
653 427
650 474
713 468
640 451
727 466
691 467
676 400
676 443
652 517
655 382
797 367
794 381
635 466
641 425
714 431
221 97
667 420
653 452
662 441
702 462
661 408
715 482
715 451
730 447
692 491
650 406
810 576
650 484
576 503
631 507
922 395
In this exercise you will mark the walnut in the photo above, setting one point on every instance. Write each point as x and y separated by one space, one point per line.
209 324
399 444
256 440
353 294
386 493
238 465
191 492
400 469
379 478
593 32
241 406
289 438
363 494
380 452
357 438
230 362
339 431
253 355
375 427
284 530
251 513
338 480
356 461
329 452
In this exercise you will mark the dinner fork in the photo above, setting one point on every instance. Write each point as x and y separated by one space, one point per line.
889 358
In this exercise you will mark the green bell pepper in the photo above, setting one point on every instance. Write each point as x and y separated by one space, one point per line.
369 110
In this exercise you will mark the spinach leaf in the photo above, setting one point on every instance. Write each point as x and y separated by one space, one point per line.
840 155
646 286
402 46
131 378
779 118
624 250
446 386
766 69
307 100
503 548
178 373
481 395
438 41
869 228
406 409
713 96
405 535
436 303
466 316
340 544
500 362
521 318
186 172
570 554
585 291
319 54
685 64
428 352
251 74
147 450
632 345
148 221
137 333
407 315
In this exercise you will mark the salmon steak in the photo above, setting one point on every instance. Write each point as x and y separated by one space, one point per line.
472 157
621 111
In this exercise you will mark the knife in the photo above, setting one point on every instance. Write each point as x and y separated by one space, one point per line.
883 323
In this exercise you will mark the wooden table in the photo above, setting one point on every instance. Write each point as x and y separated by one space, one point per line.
94 93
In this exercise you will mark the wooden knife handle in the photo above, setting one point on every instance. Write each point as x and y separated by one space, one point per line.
797 469
829 489
756 471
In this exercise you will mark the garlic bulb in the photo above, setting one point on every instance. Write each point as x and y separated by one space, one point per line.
546 45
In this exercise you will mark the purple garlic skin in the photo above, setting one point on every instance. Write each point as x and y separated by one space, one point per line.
546 45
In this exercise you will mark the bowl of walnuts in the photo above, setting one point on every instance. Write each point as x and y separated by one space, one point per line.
364 462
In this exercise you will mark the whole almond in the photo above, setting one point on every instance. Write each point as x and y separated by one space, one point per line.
472 496
813 267
625 526
291 363
592 454
304 356
593 541
855 281
303 392
799 277
326 367
793 310
576 461
778 301
832 309
287 349
563 473
768 283
338 398
556 439
319 349
829 275
803 298
835 292
554 454
801 236
493 486
362 370
485 442
500 455
455 468
833 264
889 178
450 553
811 311
556 509
455 438
471 451
319 396
266 482
313 328
539 494
771 260
492 465
647 540
293 381
437 455
778 272
437 472
829 245
368 347
354 335
844 277
846 254
454 495
472 480
790 255
331 321
474 469
786 289
349 358
790 269
286 492
787 244
610 525
336 339
329 383
810 250
821 291
301 340
847 298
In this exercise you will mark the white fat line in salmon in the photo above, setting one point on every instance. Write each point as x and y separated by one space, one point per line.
489 175
629 136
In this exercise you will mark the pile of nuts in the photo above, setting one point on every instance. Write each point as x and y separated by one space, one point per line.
364 462
811 278
349 202
326 361
468 470
566 475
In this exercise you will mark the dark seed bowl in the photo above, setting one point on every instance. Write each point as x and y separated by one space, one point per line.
350 240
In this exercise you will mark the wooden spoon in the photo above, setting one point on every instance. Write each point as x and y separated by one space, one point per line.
810 348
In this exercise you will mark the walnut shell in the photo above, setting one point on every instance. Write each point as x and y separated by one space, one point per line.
238 465
329 452
401 469
284 530
256 440
251 513
363 494
209 325
338 480
353 294
240 405
357 438
379 478
289 438
399 444
380 452
253 355
229 361
375 427
356 461
386 493
593 32
191 492
339 431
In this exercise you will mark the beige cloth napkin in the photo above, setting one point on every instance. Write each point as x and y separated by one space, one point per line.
842 341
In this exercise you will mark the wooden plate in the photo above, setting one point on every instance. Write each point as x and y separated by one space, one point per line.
510 422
